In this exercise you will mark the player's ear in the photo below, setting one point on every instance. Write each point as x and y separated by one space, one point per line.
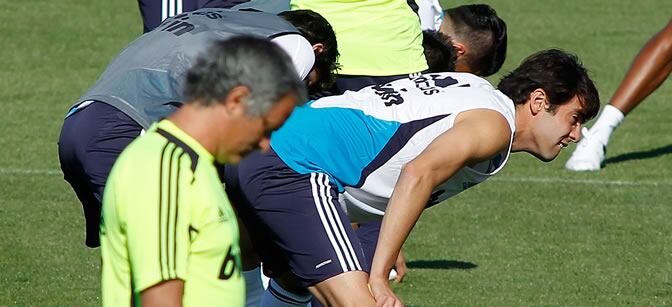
460 49
538 101
318 48
236 98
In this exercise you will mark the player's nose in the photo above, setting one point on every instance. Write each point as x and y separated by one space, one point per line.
575 134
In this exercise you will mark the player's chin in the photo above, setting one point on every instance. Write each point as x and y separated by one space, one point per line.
547 156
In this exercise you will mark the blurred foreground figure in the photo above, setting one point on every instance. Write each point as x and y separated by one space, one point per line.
169 236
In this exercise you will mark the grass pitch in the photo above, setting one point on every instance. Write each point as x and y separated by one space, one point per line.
533 235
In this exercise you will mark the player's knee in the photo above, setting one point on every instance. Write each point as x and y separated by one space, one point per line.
346 289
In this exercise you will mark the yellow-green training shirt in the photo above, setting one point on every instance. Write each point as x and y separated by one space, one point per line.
375 37
166 216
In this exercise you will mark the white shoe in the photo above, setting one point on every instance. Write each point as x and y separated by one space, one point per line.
393 274
588 155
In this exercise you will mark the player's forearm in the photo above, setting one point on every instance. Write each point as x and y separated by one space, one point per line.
165 294
406 204
648 71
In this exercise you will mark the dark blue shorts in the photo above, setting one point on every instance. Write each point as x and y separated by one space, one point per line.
91 140
368 233
294 220
153 10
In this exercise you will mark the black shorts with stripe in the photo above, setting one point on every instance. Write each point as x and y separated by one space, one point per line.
294 220
153 12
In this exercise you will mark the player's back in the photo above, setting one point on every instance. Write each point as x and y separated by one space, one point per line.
375 37
145 80
363 139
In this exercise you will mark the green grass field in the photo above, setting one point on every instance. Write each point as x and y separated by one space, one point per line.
534 235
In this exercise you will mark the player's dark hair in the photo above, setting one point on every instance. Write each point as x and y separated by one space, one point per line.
484 33
256 63
439 51
317 30
561 75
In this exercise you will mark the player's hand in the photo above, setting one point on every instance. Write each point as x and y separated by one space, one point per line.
383 294
400 267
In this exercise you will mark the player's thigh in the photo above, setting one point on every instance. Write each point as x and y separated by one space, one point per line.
90 141
115 133
228 174
347 289
300 215
368 233
249 257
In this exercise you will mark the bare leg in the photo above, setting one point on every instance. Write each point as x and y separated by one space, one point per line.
347 289
648 71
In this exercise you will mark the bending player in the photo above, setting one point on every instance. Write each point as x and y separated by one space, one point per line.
169 236
651 67
145 83
393 149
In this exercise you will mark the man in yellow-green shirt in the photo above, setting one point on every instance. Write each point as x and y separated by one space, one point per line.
169 236
375 37
378 40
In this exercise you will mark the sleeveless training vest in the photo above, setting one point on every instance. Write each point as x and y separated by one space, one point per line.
145 81
363 139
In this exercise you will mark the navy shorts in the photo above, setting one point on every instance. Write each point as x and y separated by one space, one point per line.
152 11
368 233
294 220
91 140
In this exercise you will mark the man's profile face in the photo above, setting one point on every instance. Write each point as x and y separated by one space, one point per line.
555 130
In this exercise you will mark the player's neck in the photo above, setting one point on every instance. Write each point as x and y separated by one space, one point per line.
203 123
522 138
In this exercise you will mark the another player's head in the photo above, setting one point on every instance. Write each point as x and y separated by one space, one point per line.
245 80
479 36
554 89
439 51
319 33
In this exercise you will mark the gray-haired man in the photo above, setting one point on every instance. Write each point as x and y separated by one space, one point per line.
169 236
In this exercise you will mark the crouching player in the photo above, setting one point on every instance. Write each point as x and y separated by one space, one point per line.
389 151
144 84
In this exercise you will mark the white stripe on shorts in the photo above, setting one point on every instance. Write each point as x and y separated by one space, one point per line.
316 199
171 8
164 10
331 207
335 223
333 220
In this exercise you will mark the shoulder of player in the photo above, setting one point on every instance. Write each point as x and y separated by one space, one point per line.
159 146
487 128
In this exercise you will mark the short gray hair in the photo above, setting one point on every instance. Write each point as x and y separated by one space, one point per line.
255 63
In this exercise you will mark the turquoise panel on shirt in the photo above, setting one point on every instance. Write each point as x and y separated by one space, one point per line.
339 142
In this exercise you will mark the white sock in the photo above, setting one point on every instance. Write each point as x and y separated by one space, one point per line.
253 287
608 120
276 296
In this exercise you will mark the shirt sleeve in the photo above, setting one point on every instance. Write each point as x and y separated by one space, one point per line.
299 50
157 221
